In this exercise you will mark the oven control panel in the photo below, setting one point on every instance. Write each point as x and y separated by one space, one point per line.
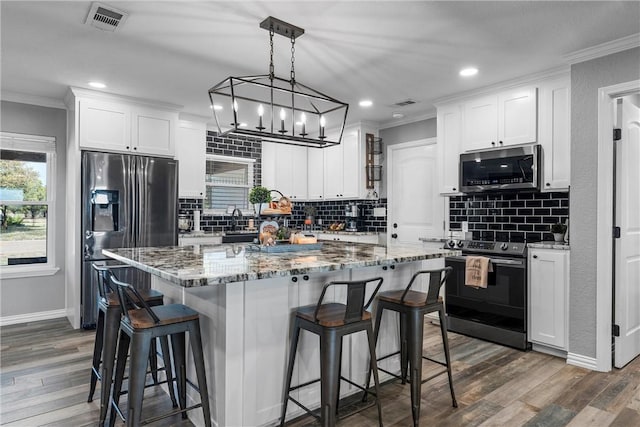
517 249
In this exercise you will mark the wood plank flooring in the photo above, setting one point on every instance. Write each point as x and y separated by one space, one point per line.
45 370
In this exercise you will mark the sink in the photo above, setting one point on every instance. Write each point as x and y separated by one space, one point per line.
238 236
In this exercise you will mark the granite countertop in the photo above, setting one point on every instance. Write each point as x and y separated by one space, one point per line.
203 265
433 239
347 233
549 245
202 234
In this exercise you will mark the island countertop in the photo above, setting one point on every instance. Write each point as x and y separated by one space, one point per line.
201 265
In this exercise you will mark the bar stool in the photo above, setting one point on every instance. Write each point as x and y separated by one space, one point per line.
108 325
412 306
139 326
331 322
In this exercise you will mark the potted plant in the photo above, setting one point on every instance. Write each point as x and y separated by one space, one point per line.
260 197
558 231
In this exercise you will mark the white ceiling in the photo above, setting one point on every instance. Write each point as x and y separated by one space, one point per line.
385 51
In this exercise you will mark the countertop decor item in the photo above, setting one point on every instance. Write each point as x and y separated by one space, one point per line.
274 108
260 197
558 231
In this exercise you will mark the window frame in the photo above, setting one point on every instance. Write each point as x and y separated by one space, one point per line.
229 159
47 146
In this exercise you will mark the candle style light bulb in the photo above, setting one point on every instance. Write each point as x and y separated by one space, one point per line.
323 122
260 114
235 113
303 119
283 115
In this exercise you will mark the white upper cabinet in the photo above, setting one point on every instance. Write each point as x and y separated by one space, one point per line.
111 125
153 131
507 118
284 168
315 173
449 135
191 149
308 173
555 133
105 125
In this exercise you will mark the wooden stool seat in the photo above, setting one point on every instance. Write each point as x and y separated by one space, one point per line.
411 299
150 296
167 315
329 315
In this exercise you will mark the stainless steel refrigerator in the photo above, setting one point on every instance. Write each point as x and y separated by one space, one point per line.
127 201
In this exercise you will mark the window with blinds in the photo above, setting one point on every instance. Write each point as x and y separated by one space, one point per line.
228 181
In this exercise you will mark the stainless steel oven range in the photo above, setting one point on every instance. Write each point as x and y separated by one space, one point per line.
499 312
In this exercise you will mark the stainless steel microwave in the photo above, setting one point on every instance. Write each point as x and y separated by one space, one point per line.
515 168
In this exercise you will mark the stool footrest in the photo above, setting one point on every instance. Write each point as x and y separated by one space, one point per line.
303 385
307 410
169 414
434 361
387 356
433 376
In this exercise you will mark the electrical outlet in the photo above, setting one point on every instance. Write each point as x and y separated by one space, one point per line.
465 226
379 212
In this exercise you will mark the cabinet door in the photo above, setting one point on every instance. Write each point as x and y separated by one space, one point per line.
315 173
153 132
269 155
352 169
191 149
479 128
517 114
333 172
548 284
449 121
298 174
555 134
105 126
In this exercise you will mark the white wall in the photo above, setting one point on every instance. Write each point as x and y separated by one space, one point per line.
38 294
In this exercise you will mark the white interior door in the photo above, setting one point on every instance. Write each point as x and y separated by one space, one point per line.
415 207
627 247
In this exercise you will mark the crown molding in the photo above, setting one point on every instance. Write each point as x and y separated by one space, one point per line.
25 98
95 94
564 70
603 49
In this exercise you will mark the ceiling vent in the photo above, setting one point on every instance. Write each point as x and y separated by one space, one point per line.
405 103
105 17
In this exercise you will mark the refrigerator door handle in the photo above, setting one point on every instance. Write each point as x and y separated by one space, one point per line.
133 196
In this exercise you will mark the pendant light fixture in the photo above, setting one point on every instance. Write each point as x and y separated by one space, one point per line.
277 109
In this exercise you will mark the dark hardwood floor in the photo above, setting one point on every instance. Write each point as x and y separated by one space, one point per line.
44 379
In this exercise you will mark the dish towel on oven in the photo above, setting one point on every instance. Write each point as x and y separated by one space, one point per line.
477 270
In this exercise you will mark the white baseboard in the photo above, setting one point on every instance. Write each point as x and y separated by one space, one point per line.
582 361
32 317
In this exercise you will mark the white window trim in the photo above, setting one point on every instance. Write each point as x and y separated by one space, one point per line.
230 159
40 144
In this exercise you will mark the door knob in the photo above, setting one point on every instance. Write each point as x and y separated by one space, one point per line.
394 236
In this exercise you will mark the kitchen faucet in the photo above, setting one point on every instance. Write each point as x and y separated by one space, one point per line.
233 218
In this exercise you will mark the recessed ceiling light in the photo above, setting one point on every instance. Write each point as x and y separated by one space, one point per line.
366 103
468 72
97 85
397 115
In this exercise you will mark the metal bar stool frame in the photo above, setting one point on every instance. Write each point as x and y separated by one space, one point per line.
314 318
411 307
107 329
169 320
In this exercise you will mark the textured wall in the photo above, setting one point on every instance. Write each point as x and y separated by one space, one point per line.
36 294
586 79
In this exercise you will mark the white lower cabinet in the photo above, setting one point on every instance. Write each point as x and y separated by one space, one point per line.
548 299
200 240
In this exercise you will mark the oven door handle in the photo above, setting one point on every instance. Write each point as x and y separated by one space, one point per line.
496 261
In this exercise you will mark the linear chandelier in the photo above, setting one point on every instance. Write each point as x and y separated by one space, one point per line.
276 109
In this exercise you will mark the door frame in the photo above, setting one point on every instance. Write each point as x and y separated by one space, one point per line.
390 149
604 220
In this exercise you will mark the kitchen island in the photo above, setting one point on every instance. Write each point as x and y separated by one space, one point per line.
246 298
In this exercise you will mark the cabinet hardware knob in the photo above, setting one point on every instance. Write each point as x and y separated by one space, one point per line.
454 189
394 236
384 268
135 148
493 143
294 279
535 256
305 277
393 267
395 225
548 184
127 147
500 142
